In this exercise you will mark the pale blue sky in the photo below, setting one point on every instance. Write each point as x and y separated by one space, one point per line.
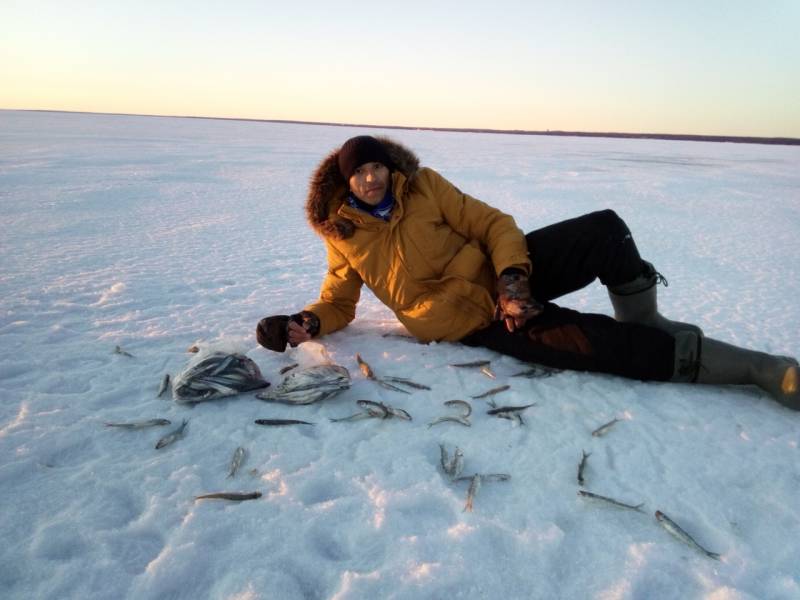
714 67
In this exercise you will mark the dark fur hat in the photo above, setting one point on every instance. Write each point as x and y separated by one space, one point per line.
328 188
359 150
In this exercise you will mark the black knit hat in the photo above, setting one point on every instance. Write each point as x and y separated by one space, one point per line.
359 150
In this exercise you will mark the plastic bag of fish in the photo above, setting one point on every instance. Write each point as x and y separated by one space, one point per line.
216 375
309 385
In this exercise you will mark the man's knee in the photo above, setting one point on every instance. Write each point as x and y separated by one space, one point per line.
610 222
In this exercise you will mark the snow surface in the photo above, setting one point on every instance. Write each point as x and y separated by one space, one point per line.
156 233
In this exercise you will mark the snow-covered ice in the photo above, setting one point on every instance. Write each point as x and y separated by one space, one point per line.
157 233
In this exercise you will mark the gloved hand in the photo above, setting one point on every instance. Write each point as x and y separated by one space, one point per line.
515 305
302 327
276 331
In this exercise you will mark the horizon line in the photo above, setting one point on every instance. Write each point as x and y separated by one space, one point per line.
737 139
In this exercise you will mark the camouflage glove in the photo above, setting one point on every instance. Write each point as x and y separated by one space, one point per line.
273 332
515 305
308 320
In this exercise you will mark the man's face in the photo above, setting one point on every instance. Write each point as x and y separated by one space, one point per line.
370 182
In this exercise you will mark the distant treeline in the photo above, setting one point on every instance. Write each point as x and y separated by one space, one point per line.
737 139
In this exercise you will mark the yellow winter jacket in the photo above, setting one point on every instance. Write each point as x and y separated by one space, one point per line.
434 263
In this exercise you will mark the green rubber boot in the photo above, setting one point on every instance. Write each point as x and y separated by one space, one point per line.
709 361
636 302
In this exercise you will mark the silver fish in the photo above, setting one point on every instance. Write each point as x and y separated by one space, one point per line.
388 410
450 419
398 335
679 533
483 365
457 464
463 418
466 408
309 385
388 382
487 477
236 461
357 417
223 364
406 382
444 457
472 365
119 350
216 375
605 427
537 372
491 392
376 410
164 385
474 486
140 424
585 494
582 466
172 436
235 496
390 386
510 412
280 422
453 467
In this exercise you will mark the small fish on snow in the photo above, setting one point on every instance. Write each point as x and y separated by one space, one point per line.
582 465
280 422
476 481
141 424
452 467
491 392
235 496
605 427
164 385
512 413
236 461
119 350
590 495
463 418
675 529
390 383
172 436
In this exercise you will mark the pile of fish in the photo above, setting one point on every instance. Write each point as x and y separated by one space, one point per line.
309 385
216 375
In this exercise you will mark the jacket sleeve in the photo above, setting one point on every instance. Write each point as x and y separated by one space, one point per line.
338 295
476 220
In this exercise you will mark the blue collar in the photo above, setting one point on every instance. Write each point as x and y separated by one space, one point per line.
382 210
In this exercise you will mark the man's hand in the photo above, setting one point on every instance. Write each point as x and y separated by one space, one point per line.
302 327
297 334
275 331
514 302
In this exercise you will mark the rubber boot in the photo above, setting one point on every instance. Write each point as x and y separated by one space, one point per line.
636 302
709 361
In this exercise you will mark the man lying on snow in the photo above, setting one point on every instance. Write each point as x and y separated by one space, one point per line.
455 269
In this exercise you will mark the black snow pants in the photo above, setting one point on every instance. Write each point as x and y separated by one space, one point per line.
566 257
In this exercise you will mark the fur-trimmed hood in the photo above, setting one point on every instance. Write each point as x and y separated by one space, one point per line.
327 189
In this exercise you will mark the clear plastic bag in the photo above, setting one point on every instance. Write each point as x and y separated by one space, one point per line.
216 374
